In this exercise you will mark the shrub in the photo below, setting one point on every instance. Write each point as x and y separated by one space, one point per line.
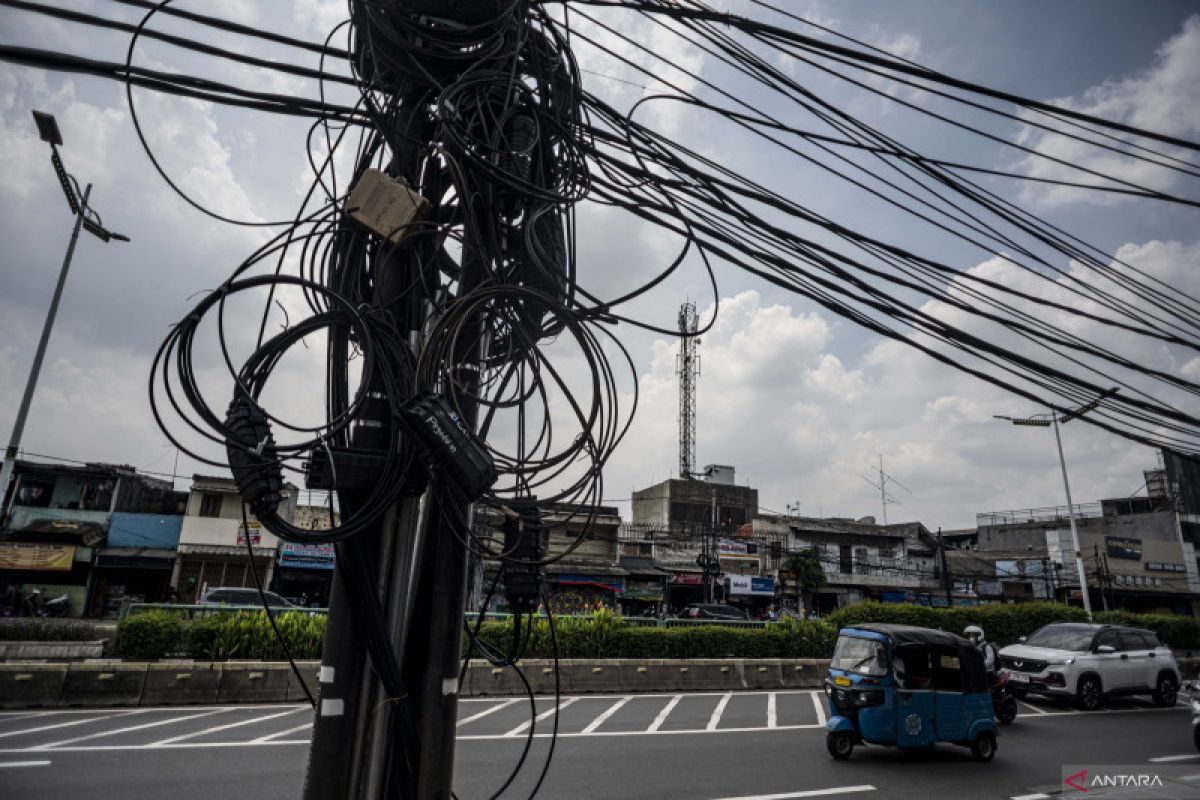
153 634
1002 623
46 630
1178 633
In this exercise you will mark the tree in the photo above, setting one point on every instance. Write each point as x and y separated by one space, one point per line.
804 570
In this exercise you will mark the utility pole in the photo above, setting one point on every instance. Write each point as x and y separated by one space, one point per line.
48 129
687 367
947 581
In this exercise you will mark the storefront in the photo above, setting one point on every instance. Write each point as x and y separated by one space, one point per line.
752 592
585 592
199 568
645 587
54 568
304 573
684 589
129 575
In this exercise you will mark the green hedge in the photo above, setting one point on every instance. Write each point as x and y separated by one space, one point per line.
35 629
1001 623
1178 633
223 635
1004 623
608 637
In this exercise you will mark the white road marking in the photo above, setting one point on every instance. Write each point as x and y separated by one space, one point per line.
226 726
1032 707
12 717
1190 778
818 699
65 724
1165 759
1031 797
808 793
8 764
542 716
662 715
772 716
645 695
598 721
129 729
715 719
281 734
485 712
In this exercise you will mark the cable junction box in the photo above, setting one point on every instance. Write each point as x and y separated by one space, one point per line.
385 204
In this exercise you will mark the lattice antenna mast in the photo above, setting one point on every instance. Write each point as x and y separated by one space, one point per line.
687 367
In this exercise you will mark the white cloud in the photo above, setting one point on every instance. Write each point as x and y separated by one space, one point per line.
1164 98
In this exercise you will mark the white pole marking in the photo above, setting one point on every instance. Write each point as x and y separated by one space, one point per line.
487 711
598 721
129 729
772 717
715 719
216 728
662 715
818 699
520 728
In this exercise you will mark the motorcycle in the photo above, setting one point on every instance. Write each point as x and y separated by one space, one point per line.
56 607
1004 704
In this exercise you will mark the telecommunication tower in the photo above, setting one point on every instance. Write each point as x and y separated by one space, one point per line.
687 367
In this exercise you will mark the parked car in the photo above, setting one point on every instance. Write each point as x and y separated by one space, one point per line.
235 596
714 611
1086 662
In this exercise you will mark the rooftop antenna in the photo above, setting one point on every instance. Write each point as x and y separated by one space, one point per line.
885 497
687 367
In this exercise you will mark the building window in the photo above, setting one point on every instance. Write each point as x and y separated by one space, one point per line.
210 504
846 560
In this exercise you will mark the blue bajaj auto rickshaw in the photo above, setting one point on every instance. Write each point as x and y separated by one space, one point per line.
904 686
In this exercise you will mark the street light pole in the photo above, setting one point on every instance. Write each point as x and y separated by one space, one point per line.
1083 587
14 440
49 132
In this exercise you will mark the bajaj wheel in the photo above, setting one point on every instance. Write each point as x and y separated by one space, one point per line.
1196 736
984 747
1006 710
839 745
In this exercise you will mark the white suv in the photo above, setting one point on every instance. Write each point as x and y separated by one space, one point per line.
1086 662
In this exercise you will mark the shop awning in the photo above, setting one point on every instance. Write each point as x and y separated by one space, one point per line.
585 569
636 565
135 558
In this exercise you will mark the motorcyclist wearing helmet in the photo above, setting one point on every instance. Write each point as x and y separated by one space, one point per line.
985 648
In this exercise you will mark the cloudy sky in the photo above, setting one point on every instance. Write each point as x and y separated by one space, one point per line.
802 402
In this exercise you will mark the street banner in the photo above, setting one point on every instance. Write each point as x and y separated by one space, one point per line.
47 557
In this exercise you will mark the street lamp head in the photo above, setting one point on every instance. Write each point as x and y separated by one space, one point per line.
48 128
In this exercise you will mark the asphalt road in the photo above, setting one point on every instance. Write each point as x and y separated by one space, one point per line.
751 746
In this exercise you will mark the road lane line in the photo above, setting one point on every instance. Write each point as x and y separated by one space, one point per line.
809 793
662 715
271 736
130 729
715 719
66 724
598 721
541 716
227 726
819 705
1031 797
9 764
487 711
772 716
1165 759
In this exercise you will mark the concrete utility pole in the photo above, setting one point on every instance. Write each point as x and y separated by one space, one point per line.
687 367
48 128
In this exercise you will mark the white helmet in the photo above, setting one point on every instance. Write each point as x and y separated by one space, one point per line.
972 631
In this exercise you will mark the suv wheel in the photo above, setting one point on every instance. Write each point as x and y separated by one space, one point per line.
1088 693
1165 690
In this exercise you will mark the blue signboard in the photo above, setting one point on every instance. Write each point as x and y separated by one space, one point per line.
306 556
762 585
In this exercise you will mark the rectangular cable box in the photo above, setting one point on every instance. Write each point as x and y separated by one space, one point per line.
385 205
